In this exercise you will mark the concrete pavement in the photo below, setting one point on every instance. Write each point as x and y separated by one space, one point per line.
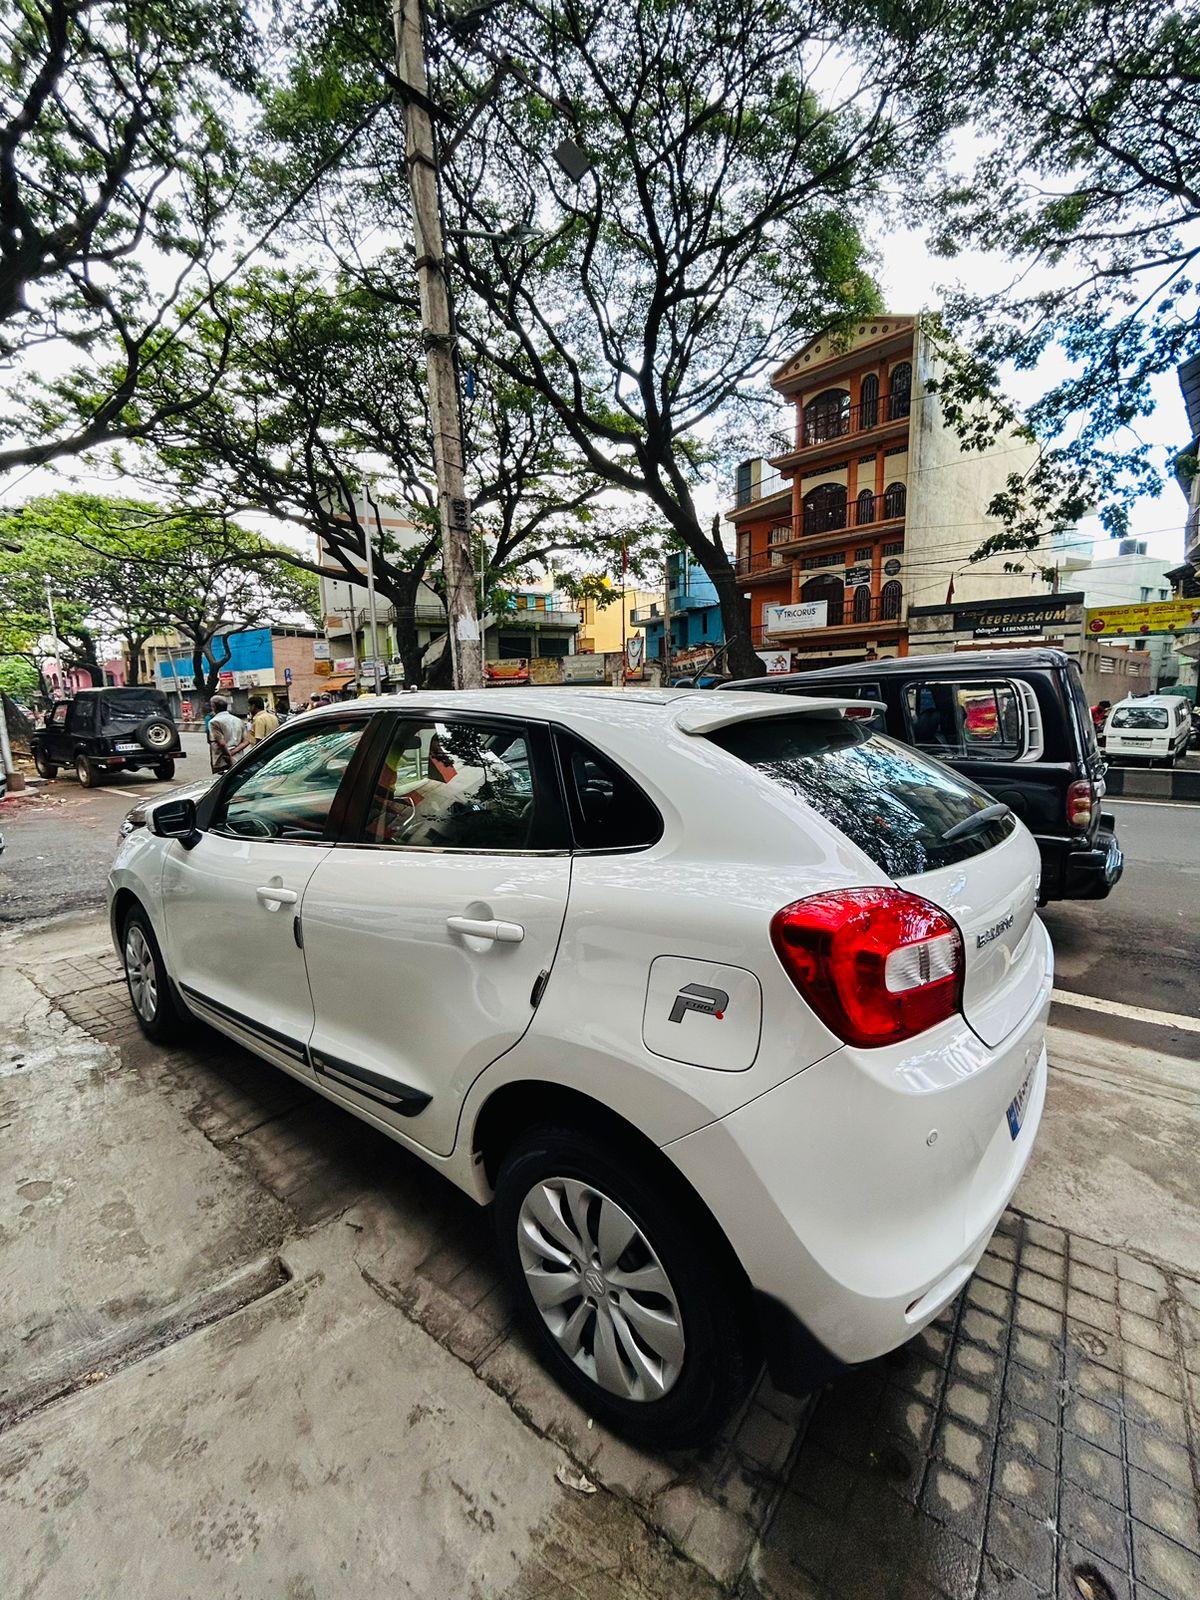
251 1348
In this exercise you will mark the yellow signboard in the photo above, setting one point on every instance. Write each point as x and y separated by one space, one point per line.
1154 616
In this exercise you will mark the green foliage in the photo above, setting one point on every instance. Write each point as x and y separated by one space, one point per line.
1085 116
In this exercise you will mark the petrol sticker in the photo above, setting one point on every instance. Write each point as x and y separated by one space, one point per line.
700 998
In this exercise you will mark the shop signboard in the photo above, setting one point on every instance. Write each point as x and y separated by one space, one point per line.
775 660
1152 617
583 669
344 664
635 658
321 650
1005 620
545 669
793 619
859 574
512 671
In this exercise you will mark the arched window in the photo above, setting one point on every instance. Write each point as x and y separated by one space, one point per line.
895 498
900 396
868 408
827 416
862 602
829 589
825 508
864 507
889 601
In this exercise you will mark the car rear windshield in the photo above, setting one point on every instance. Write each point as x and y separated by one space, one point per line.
893 803
133 705
1139 717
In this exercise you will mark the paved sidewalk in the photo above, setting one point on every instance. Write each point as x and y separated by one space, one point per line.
1039 1440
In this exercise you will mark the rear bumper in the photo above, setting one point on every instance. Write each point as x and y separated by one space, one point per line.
1080 871
860 1194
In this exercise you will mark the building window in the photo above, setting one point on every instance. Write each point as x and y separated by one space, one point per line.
744 492
830 590
862 602
895 497
825 508
704 622
900 390
864 507
836 559
895 549
889 601
827 416
864 554
869 405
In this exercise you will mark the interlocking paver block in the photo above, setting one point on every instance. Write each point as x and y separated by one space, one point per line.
1030 1434
1162 1458
1047 1262
988 1297
1093 1422
1023 1542
1045 1236
1166 1566
1157 1374
962 1448
1093 1469
1096 1524
1090 1280
983 1329
997 1270
1138 1271
1046 1291
1096 1313
1024 1482
1167 1509
1090 1254
1151 1409
1035 1352
1038 1318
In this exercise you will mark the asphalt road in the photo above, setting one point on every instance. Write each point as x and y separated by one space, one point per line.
1139 947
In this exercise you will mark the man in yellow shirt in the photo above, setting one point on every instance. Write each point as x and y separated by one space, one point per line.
262 722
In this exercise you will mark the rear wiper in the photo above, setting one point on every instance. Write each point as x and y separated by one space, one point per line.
977 820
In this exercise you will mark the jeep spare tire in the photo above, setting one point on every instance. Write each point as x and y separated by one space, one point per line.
156 734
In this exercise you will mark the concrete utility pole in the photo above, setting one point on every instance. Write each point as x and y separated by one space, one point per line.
466 646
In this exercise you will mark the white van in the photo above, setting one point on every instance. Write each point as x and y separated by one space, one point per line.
1148 727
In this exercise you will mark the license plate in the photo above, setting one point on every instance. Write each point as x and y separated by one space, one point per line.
127 747
1016 1110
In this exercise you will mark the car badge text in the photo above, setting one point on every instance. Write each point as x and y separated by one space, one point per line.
699 997
993 932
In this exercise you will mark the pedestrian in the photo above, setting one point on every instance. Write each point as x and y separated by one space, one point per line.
262 722
1100 714
226 734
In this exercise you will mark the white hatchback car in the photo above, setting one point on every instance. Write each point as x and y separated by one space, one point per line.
732 1008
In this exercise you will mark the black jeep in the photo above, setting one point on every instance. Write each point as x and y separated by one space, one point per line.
107 730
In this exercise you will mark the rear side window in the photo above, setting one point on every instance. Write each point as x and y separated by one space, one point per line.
1139 717
608 810
979 721
132 705
893 803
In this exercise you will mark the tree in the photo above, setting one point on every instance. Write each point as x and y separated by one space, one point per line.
118 168
320 420
123 570
1086 118
716 230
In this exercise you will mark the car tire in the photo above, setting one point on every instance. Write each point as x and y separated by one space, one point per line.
164 771
150 991
46 769
155 734
86 772
688 1336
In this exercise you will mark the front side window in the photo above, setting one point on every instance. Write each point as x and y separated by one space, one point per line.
80 718
1139 717
58 716
981 721
608 810
455 786
895 805
287 790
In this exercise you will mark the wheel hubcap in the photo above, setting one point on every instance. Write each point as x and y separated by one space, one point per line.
139 968
600 1288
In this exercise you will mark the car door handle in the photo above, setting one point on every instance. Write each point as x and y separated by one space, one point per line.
274 896
501 932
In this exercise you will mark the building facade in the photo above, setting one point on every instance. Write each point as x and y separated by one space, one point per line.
604 629
867 506
695 615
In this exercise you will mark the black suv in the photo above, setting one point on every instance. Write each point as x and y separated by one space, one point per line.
1017 723
107 730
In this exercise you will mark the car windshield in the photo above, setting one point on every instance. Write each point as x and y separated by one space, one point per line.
1139 717
895 805
132 705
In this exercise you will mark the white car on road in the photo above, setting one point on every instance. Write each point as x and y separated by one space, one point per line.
732 1008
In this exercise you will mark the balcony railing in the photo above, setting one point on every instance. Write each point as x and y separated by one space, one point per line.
762 561
822 423
843 613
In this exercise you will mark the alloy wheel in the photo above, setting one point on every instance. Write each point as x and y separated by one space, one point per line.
139 968
600 1288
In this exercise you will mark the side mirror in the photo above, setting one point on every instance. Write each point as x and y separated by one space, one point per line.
176 819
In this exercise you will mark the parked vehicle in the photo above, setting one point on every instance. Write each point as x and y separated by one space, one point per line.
1017 723
1150 728
108 730
732 1009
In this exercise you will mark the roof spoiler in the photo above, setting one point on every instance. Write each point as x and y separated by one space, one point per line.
701 716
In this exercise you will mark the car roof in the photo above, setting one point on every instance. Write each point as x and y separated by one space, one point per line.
1149 699
897 666
685 710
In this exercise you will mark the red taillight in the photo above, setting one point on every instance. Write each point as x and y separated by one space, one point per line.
876 965
1081 800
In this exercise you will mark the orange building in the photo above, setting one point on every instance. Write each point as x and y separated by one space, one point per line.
866 505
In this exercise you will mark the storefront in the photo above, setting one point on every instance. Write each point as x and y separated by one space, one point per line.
1054 620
